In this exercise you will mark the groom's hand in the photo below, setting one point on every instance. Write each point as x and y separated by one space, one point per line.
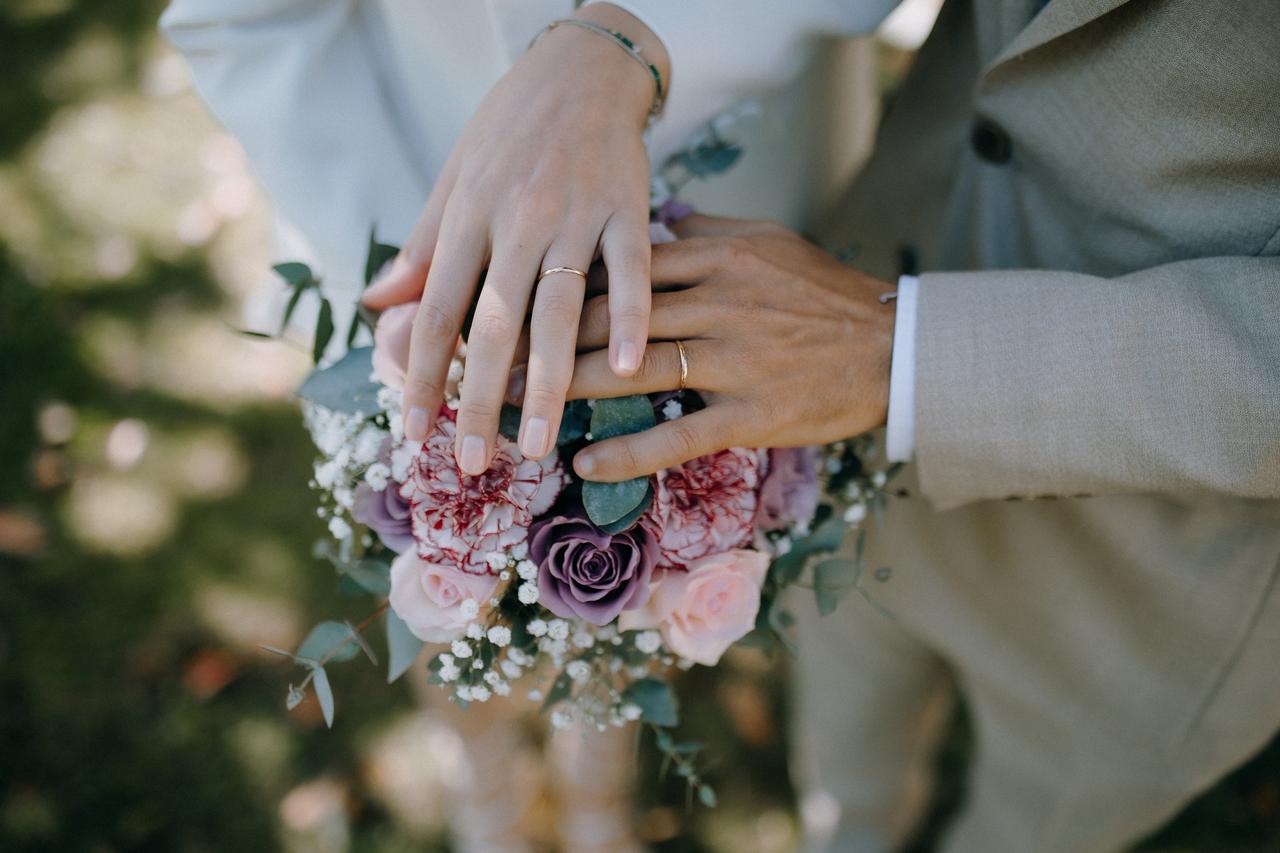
787 345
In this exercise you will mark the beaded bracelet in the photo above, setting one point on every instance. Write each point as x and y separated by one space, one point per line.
659 96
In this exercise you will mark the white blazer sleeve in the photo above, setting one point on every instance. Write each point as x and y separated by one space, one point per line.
722 53
297 82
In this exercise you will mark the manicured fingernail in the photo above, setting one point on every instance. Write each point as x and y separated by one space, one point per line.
416 423
515 384
472 457
585 464
534 443
628 356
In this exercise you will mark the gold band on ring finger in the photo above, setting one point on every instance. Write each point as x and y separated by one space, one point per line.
684 366
554 270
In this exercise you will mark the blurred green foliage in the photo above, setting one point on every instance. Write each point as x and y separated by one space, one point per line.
126 722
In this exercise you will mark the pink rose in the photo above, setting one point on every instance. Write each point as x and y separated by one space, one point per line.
705 610
391 344
429 597
705 506
459 520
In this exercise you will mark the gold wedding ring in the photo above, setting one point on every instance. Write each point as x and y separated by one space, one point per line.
554 270
684 366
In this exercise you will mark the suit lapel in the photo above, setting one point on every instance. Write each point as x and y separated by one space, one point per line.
1056 19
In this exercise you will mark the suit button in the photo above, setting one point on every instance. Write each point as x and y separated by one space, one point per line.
990 141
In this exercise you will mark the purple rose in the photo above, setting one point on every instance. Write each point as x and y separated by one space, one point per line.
386 514
586 573
789 493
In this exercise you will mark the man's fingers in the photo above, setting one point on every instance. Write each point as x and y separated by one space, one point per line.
659 371
693 260
699 225
450 283
642 453
625 247
553 328
678 314
491 344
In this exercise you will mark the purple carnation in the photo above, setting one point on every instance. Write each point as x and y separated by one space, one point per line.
386 514
586 573
789 493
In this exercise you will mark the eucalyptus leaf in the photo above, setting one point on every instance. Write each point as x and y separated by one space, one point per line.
560 690
379 255
607 503
574 423
707 796
831 580
362 643
656 700
324 331
402 647
324 694
621 416
291 305
329 640
372 576
628 521
509 421
344 386
296 274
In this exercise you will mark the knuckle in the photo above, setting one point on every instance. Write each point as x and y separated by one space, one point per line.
421 388
436 323
627 457
544 395
683 440
629 314
478 411
651 366
493 328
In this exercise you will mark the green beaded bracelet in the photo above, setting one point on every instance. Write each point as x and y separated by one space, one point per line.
659 96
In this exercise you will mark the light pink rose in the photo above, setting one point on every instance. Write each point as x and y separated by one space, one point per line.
459 520
391 344
705 506
705 610
429 597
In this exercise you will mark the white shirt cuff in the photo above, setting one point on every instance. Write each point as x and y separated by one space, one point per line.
900 443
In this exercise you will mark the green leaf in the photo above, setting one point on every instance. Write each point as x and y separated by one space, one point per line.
574 423
607 503
354 328
362 643
378 256
656 700
707 796
509 421
621 416
324 694
711 158
296 274
250 333
628 520
372 576
289 307
560 690
344 386
329 639
324 331
402 647
831 580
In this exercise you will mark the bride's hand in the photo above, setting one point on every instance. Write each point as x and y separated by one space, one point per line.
551 169
787 345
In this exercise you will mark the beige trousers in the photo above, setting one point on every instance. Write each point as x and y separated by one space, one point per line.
1107 682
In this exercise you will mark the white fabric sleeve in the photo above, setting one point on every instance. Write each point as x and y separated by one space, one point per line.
900 443
298 82
723 53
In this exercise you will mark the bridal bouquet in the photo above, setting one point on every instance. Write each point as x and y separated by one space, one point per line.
581 596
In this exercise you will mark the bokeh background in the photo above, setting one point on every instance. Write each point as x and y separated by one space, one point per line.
156 525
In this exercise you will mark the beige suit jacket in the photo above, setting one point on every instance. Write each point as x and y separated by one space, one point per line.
1093 203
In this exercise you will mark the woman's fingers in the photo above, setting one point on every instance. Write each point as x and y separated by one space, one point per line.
677 314
450 283
659 371
553 328
491 344
625 246
642 453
